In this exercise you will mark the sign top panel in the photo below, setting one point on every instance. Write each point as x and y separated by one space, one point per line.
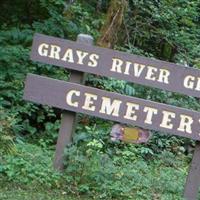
116 64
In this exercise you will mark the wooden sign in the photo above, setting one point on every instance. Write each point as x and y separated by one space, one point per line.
80 57
111 63
112 106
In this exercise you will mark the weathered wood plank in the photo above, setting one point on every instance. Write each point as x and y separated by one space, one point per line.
120 65
113 106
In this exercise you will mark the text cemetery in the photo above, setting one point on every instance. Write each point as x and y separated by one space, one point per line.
113 106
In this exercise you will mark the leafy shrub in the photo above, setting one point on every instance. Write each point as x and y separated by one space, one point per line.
97 167
6 134
30 165
94 165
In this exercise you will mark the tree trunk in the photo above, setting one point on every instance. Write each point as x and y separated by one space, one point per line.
112 25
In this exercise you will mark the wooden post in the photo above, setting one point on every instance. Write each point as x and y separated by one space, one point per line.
68 118
193 178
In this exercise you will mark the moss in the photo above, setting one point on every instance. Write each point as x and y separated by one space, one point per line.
113 22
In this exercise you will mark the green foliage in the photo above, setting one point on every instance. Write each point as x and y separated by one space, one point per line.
98 168
116 171
6 135
14 192
83 19
167 29
30 165
58 18
30 121
95 167
19 118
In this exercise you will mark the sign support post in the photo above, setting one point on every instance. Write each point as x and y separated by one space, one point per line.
193 178
68 118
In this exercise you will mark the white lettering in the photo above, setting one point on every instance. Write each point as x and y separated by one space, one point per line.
166 120
130 113
89 101
189 82
127 68
150 73
68 56
54 53
69 98
43 49
116 65
93 60
150 112
198 84
81 55
185 124
164 76
138 68
108 108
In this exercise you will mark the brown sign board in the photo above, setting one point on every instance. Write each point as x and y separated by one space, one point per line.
112 106
112 63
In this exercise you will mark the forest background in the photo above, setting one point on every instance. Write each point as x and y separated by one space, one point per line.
95 167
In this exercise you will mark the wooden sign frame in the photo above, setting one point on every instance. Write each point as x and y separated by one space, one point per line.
36 86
